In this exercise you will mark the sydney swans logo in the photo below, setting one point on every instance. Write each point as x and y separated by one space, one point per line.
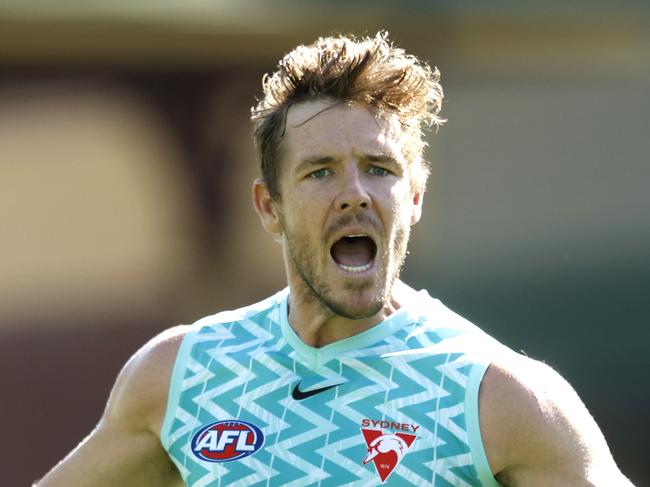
386 450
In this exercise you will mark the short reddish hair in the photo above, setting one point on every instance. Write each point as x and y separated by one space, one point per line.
369 70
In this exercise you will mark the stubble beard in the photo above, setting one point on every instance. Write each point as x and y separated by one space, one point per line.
318 289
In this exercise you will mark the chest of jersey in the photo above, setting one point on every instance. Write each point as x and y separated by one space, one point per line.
253 411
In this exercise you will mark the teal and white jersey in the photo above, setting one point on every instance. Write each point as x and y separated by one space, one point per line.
251 404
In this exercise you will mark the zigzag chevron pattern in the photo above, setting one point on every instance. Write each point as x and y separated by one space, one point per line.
241 366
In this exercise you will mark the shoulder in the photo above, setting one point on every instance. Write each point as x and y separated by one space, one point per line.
139 396
124 447
537 430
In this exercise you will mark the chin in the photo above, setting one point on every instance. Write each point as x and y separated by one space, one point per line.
357 305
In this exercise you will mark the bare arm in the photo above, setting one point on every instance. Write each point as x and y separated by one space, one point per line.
537 431
124 449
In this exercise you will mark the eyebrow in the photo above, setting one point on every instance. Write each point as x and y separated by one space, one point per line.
382 158
313 161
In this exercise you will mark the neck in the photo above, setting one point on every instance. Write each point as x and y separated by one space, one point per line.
317 325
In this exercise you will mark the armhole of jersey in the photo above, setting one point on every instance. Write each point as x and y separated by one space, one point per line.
175 385
473 426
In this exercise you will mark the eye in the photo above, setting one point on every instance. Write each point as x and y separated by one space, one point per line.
319 173
378 171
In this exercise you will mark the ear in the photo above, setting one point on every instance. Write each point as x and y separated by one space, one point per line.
266 207
416 209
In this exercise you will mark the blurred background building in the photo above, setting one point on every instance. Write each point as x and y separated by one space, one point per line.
126 163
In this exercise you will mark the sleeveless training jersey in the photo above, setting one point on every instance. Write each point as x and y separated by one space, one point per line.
251 404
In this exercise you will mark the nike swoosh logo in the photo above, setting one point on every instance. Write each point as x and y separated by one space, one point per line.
299 395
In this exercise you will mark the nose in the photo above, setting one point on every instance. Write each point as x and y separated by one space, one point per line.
353 194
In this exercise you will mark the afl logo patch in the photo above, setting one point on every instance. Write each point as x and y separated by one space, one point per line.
225 441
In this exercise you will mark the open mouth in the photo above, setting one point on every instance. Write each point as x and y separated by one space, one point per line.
354 253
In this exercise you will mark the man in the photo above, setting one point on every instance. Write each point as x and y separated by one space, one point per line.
348 376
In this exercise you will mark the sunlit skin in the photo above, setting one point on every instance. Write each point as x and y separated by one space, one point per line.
343 172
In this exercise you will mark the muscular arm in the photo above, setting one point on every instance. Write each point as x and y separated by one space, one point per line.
124 449
537 431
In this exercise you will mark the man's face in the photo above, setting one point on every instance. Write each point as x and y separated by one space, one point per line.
346 205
